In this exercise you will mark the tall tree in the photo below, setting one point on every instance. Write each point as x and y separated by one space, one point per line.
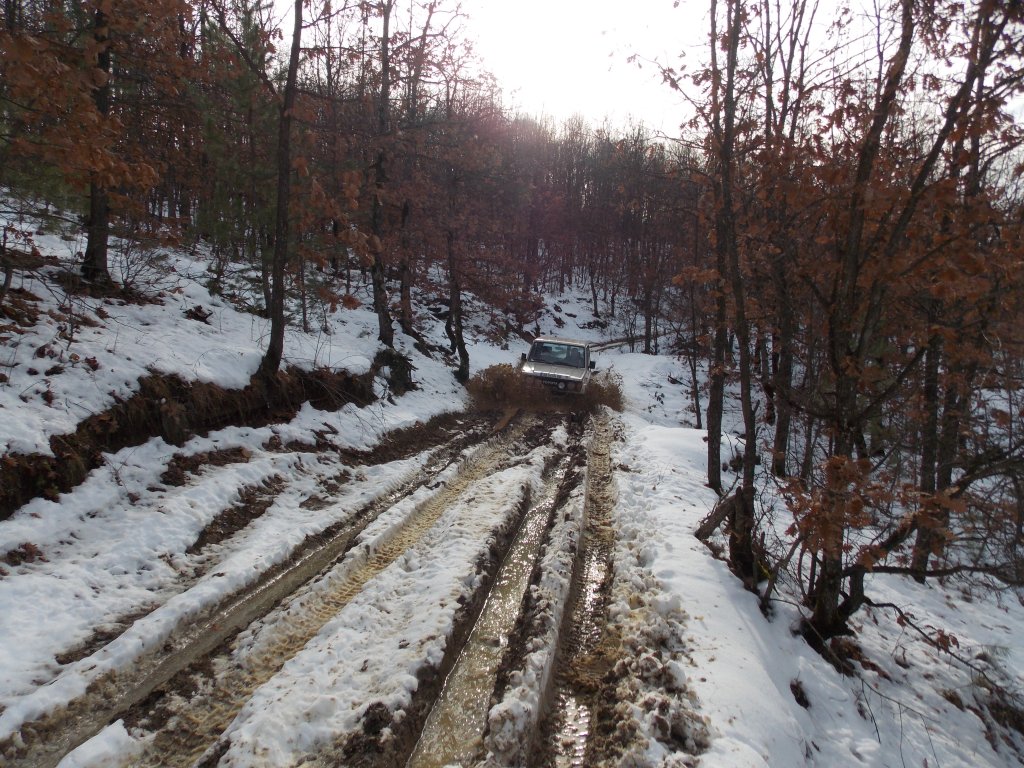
863 294
378 275
723 120
94 263
275 346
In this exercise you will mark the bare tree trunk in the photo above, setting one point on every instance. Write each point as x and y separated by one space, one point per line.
929 459
405 298
847 340
826 620
454 325
741 552
716 392
692 356
419 62
8 269
300 276
94 263
930 541
275 347
730 278
938 451
378 272
13 13
783 385
378 280
260 244
648 323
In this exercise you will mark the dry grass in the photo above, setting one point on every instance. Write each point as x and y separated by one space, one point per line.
606 390
502 387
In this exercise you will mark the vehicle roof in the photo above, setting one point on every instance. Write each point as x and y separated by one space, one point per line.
559 340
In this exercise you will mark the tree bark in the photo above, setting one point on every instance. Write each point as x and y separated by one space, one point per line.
846 347
782 362
826 620
783 385
693 353
8 270
378 271
929 457
716 392
275 347
95 267
405 298
741 551
454 325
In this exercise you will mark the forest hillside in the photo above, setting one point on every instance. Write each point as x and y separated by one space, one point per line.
831 248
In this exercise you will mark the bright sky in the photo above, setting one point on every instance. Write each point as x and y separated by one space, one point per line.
566 57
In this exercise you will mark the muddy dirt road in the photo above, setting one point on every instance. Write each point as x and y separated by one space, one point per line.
454 617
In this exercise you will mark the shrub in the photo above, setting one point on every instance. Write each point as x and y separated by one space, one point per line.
502 386
606 390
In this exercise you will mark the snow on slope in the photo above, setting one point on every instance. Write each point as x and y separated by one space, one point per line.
744 668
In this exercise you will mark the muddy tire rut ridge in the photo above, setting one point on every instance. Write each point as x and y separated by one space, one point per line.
44 742
194 720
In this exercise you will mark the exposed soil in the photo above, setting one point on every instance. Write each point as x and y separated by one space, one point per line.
175 410
20 310
181 466
457 728
100 637
403 443
153 697
252 503
106 699
369 749
525 627
23 553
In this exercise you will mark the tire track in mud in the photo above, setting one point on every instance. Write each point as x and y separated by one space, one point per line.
454 729
565 732
195 723
44 741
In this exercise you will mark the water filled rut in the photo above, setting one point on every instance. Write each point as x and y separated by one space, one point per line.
568 726
453 732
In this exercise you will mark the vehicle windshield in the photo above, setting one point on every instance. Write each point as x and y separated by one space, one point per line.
554 353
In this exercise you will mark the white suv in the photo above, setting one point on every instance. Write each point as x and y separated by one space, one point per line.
562 365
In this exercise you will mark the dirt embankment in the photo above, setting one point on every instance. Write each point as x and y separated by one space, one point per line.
168 407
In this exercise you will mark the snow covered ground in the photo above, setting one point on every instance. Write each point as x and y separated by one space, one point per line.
118 546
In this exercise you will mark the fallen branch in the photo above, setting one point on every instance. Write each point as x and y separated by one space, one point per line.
717 516
12 259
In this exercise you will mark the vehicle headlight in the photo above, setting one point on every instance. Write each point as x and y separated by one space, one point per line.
561 385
